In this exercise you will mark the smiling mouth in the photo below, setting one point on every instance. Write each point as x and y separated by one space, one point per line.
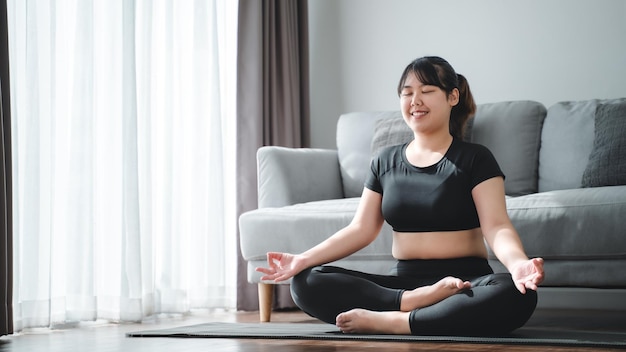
418 113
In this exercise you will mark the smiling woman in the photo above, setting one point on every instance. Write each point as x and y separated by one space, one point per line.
123 126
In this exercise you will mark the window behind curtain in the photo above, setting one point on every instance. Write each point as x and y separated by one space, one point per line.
123 124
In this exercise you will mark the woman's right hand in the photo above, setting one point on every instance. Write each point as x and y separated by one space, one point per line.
281 266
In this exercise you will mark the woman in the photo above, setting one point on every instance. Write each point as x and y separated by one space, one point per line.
443 198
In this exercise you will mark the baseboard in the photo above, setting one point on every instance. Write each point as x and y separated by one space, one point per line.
582 298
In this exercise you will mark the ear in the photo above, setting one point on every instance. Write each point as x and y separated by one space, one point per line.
453 97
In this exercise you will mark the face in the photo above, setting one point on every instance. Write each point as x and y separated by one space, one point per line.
426 108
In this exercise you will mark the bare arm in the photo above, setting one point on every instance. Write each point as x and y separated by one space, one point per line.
502 236
361 231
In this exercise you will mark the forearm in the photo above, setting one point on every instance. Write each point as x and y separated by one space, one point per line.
342 244
363 229
507 247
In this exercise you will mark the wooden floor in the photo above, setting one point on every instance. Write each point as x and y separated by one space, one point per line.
101 336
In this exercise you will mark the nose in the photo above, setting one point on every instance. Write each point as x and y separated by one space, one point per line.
416 101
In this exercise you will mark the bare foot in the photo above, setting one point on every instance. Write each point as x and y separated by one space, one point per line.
428 295
370 322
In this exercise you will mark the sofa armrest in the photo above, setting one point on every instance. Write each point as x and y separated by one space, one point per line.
289 176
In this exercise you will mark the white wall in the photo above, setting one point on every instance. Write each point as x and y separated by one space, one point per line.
543 50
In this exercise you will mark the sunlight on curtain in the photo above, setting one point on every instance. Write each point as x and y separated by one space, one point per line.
123 125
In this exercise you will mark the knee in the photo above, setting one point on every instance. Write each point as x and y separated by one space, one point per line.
520 306
311 280
303 287
299 282
527 300
530 300
508 295
307 295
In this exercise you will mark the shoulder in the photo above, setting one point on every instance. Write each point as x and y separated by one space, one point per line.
387 158
476 159
471 147
469 150
389 153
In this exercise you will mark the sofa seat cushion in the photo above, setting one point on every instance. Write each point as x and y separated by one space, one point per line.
577 232
596 273
296 228
572 224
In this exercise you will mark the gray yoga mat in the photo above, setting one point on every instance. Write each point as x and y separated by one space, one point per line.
546 336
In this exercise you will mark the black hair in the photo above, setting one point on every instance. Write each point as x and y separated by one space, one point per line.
435 71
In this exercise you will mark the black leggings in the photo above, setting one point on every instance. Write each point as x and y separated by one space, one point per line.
493 305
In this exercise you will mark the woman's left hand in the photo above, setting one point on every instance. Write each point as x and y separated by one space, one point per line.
528 274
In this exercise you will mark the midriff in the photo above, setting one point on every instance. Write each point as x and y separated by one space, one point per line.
439 245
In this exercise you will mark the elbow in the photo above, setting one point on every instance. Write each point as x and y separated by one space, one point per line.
367 233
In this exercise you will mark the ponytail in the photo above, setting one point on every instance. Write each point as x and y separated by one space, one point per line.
462 111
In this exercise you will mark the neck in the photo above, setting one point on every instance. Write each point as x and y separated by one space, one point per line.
432 142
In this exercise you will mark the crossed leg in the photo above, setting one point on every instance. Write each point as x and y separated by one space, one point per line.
397 322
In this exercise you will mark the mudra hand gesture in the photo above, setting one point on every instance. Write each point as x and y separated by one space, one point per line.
282 266
528 274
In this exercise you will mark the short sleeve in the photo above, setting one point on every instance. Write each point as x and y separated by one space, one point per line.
372 180
484 166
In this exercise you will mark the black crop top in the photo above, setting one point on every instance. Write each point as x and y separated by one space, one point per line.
432 198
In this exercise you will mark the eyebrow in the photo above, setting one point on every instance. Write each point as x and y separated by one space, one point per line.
418 87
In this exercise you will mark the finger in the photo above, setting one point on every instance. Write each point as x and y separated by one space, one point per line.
265 270
531 286
282 277
535 279
273 257
538 279
520 287
267 278
464 284
270 277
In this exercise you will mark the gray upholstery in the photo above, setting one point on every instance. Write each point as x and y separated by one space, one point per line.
290 176
390 131
275 228
512 131
607 162
305 195
578 232
566 142
354 135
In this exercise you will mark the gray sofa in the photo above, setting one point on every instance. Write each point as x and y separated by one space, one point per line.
305 195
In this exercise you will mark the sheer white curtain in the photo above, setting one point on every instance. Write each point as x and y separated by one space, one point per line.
123 118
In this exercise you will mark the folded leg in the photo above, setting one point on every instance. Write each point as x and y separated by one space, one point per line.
492 306
326 291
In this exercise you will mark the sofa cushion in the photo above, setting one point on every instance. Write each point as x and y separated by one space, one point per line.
566 143
576 231
296 228
572 224
512 131
390 131
607 162
394 130
355 131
